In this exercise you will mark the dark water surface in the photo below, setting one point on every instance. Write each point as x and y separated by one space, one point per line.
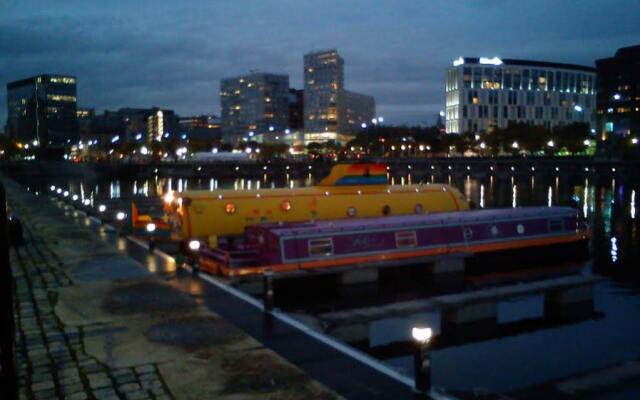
532 354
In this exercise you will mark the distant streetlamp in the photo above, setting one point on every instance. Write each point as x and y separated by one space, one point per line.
422 358
515 145
551 143
634 140
587 142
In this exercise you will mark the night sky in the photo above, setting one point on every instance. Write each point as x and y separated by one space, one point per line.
172 54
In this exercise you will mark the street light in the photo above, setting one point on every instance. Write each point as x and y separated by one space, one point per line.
120 215
587 142
422 358
515 145
634 140
551 143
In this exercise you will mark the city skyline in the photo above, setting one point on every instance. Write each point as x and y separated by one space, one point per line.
172 57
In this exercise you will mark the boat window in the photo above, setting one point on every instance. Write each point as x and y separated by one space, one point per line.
352 212
419 209
520 229
494 230
286 206
230 208
406 239
386 210
556 225
468 233
320 247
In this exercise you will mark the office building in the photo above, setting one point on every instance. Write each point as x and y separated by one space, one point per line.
330 111
135 124
200 127
43 109
254 106
487 93
618 98
359 109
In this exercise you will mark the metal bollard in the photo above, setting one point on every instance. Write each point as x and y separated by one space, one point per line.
8 375
267 289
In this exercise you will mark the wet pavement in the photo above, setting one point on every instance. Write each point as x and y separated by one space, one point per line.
93 323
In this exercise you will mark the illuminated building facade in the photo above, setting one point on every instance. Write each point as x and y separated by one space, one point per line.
487 93
254 105
43 109
330 111
619 92
323 89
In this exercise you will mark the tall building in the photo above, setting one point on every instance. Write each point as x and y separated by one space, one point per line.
43 108
487 93
254 105
359 109
619 92
323 88
85 117
330 111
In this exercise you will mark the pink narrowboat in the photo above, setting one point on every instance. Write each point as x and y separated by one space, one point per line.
388 240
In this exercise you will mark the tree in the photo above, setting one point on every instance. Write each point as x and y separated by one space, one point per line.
8 146
572 136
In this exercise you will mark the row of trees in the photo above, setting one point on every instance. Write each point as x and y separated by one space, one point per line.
514 139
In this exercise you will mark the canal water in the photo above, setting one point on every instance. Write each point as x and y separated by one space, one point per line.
530 354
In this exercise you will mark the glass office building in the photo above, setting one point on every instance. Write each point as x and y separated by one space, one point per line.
43 108
254 105
487 93
619 92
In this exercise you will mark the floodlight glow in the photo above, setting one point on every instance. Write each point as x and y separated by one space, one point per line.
102 208
194 245
490 61
422 335
151 227
120 215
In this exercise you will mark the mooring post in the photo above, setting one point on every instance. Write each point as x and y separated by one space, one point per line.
267 289
422 359
8 376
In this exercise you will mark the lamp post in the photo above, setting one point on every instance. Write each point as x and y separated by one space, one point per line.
422 358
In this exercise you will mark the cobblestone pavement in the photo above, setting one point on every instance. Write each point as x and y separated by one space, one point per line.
52 361
92 323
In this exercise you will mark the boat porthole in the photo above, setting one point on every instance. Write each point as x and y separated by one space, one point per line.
286 206
468 233
419 209
520 229
386 210
351 212
494 230
230 208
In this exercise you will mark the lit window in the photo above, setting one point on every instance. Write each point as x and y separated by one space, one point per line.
406 239
320 247
286 206
230 208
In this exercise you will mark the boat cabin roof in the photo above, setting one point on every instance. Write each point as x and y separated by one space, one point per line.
401 221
